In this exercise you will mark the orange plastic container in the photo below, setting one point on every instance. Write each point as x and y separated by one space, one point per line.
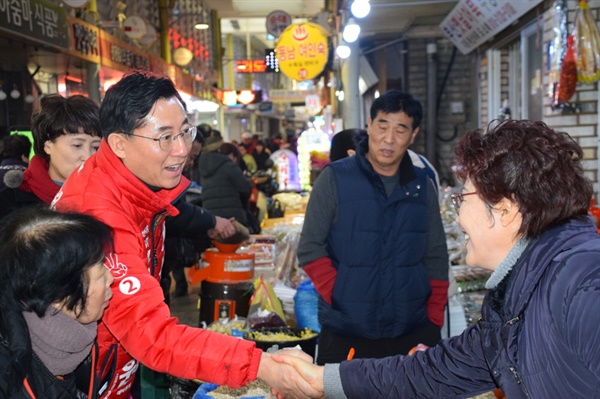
223 264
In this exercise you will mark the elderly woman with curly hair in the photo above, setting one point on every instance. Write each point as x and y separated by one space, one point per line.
524 211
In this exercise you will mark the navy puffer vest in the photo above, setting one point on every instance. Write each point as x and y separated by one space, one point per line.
377 244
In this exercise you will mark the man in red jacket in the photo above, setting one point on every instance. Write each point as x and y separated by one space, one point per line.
133 183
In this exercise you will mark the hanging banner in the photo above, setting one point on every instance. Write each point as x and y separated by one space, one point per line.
472 22
302 51
40 20
85 40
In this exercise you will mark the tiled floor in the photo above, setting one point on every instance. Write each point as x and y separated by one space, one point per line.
186 308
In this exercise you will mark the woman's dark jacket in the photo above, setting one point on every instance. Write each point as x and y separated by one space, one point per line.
224 186
17 359
543 340
31 187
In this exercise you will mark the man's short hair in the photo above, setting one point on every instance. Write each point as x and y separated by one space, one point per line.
15 146
393 102
130 100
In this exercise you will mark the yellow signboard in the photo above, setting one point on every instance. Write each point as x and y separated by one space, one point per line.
302 51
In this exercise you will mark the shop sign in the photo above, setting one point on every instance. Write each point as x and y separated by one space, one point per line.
38 19
120 55
472 22
313 101
289 96
250 66
85 42
302 51
134 27
232 97
182 56
277 22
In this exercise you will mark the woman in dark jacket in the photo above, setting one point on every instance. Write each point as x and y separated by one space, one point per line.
224 186
66 132
54 288
524 211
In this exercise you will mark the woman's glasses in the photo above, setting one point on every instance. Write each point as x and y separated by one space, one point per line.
457 199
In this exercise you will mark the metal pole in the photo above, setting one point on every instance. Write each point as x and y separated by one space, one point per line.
165 44
350 74
431 123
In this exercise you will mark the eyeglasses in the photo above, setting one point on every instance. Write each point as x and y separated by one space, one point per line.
457 199
167 140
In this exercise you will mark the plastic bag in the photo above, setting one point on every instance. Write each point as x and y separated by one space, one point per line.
306 306
265 308
587 45
568 74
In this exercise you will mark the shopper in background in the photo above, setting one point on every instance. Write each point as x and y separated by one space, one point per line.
133 183
248 160
524 208
343 144
225 189
14 154
374 245
262 156
248 142
66 132
54 288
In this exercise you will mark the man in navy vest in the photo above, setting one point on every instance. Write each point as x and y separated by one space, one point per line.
374 245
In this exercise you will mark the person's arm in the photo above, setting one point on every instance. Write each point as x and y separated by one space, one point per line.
312 247
436 259
140 320
571 297
195 220
454 368
192 219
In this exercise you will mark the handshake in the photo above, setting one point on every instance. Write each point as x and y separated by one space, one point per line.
291 374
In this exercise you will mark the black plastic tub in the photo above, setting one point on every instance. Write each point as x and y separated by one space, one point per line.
308 345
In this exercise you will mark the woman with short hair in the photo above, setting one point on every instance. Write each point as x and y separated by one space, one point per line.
54 288
66 132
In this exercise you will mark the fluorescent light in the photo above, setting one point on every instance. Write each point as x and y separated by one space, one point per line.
201 25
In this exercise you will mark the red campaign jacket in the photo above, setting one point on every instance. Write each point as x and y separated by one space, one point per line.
137 327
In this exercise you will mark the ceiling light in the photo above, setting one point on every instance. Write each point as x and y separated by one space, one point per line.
360 8
343 51
351 31
201 25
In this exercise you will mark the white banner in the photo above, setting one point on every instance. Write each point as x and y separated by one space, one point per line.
472 22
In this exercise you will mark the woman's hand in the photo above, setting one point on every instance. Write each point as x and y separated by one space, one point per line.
312 374
284 379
